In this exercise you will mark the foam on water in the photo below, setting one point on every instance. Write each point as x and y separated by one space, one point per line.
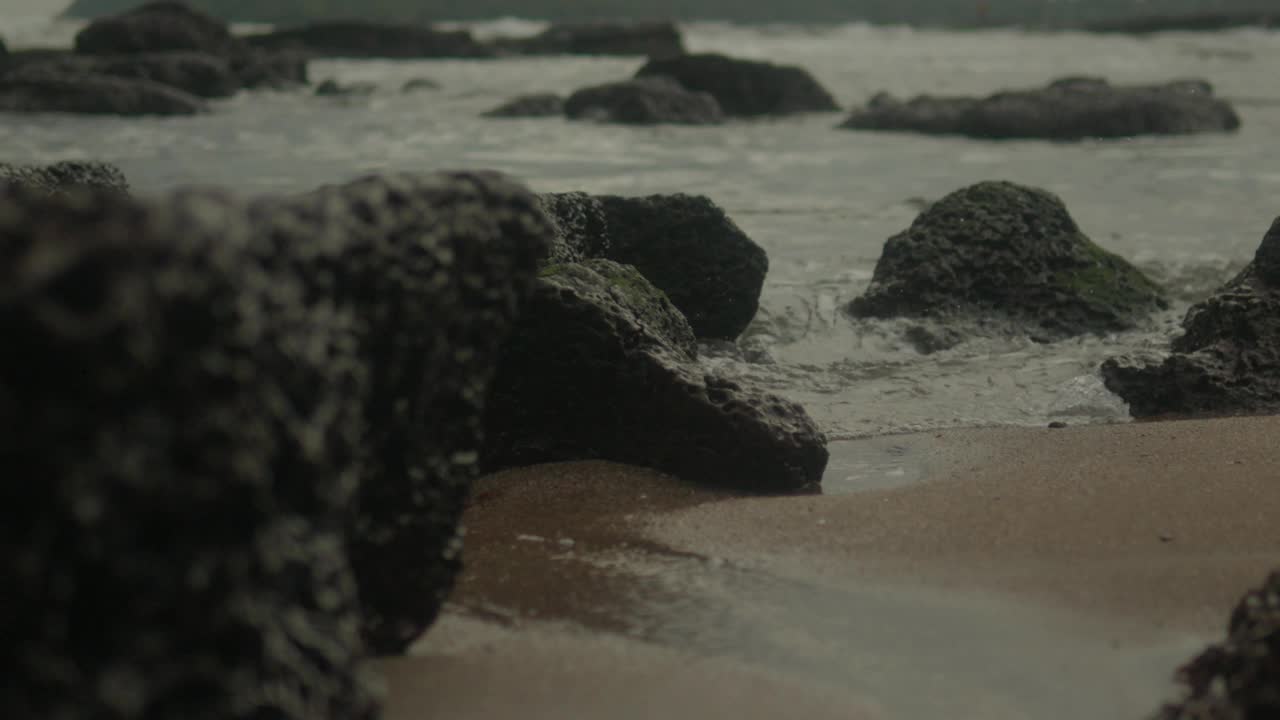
1189 210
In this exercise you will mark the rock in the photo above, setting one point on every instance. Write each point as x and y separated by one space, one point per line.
1240 677
198 74
35 90
603 366
155 27
1067 109
181 554
4 49
358 39
745 88
62 177
417 84
1004 254
539 105
1228 358
684 244
331 88
270 69
649 39
648 101
1190 22
224 403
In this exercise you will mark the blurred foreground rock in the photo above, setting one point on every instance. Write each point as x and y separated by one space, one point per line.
65 177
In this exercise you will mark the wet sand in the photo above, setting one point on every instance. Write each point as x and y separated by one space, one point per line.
1000 573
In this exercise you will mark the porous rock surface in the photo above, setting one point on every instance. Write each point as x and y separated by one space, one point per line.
66 176
1239 678
226 405
1010 258
1071 108
684 244
1228 358
603 366
745 88
643 101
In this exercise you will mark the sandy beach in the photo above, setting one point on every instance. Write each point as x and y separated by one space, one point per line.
995 573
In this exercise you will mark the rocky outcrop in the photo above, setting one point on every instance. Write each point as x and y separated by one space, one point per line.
155 27
1198 22
537 105
745 88
229 407
62 177
1067 109
645 101
332 88
198 74
355 39
1008 259
1228 358
37 89
647 39
1240 677
684 244
603 366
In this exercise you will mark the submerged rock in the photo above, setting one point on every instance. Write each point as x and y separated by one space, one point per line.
745 88
419 84
646 101
684 244
66 176
332 88
650 39
36 90
1067 109
358 39
155 27
602 365
228 406
1228 358
538 105
1240 677
1009 253
199 74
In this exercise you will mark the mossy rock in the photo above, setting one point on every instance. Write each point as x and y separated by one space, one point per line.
1006 251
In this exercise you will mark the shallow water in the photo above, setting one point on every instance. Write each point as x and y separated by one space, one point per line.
820 200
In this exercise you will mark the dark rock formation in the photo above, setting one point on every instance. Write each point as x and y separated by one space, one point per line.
268 69
645 101
1201 22
745 88
37 89
684 244
1228 358
603 366
332 88
1012 253
155 27
372 40
67 176
1067 109
220 400
198 74
647 39
4 49
539 105
1238 679
418 84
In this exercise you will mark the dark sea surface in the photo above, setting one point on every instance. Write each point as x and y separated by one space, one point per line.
822 201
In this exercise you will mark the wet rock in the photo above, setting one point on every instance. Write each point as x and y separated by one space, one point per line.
998 256
419 84
1228 358
603 366
230 407
67 176
646 101
4 49
262 69
1190 22
331 88
36 89
649 39
684 244
745 88
1240 677
538 105
356 39
198 74
155 27
1067 109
